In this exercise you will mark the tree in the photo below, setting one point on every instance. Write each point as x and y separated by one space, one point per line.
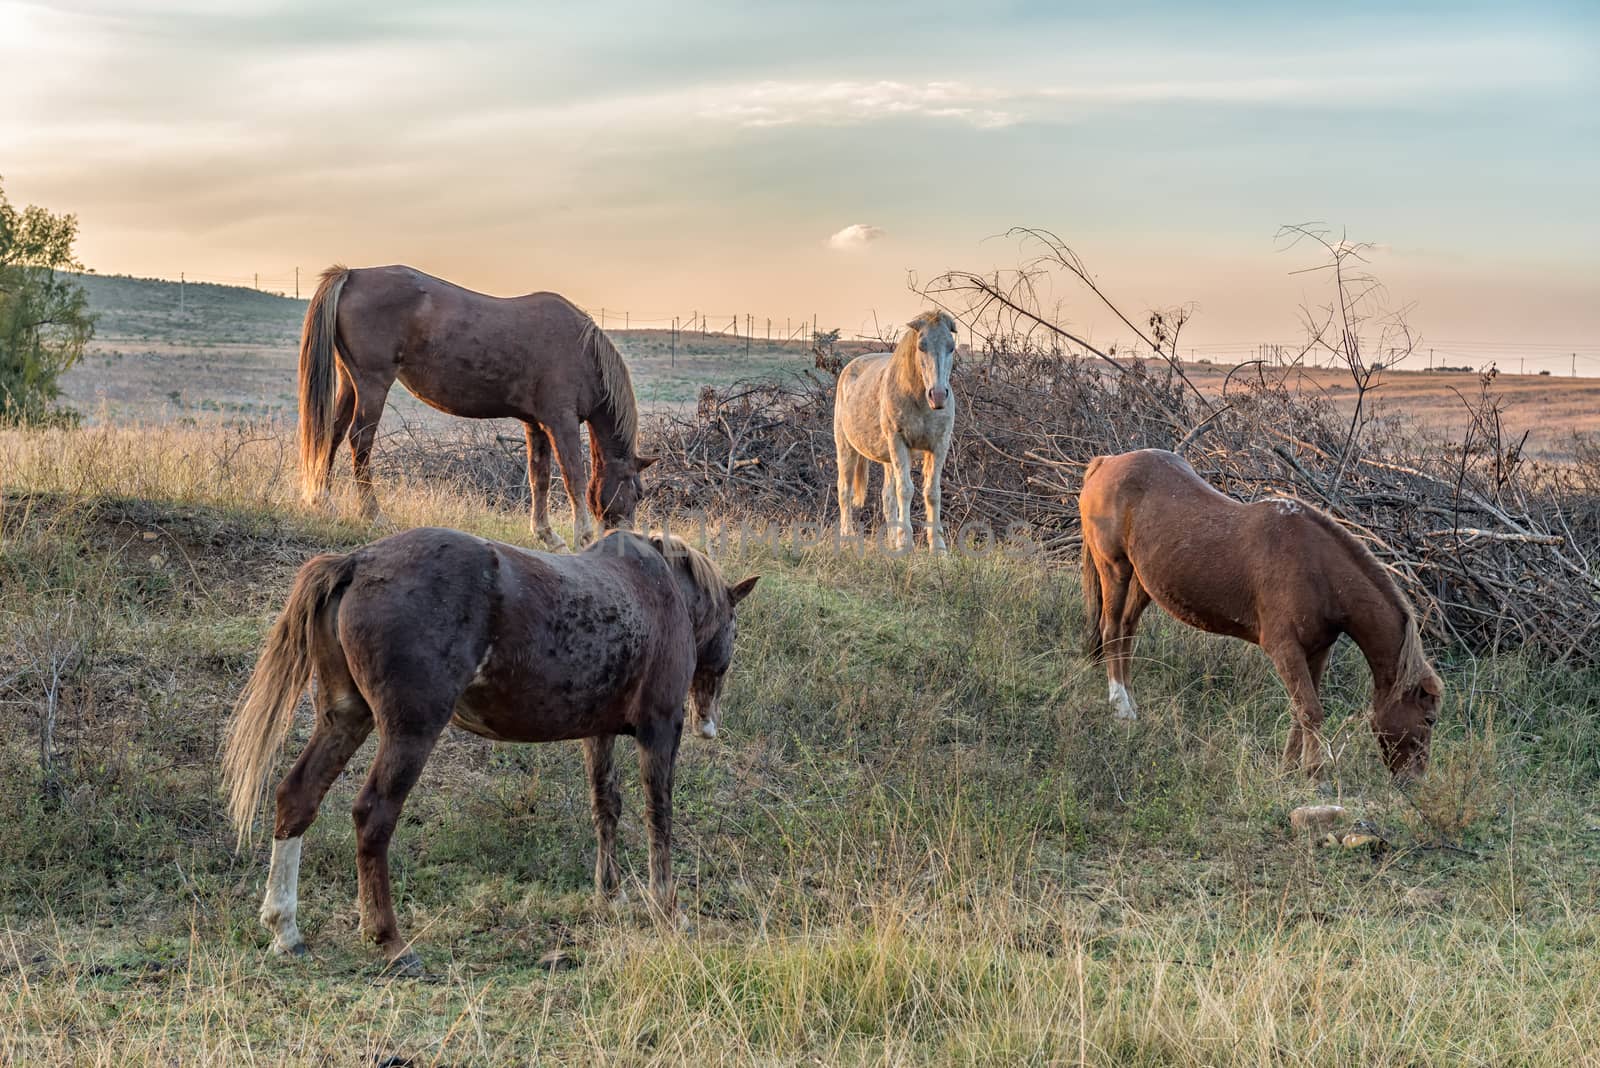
44 318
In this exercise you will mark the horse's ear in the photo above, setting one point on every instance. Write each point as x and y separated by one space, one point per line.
1431 686
915 324
742 590
659 542
645 461
949 321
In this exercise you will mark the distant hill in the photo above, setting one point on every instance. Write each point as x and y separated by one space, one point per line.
191 313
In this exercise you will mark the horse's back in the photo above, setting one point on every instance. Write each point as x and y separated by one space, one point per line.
1209 560
577 640
464 352
414 616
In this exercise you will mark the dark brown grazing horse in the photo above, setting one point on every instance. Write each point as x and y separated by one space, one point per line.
434 627
1278 573
536 358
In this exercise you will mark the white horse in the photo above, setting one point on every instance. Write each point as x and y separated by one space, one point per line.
887 405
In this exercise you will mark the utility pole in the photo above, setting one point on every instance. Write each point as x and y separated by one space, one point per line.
1574 365
602 318
674 341
257 277
1430 359
297 283
180 292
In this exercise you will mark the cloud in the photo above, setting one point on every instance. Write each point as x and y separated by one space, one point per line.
856 235
843 103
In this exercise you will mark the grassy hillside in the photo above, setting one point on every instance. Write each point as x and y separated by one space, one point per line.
194 313
920 839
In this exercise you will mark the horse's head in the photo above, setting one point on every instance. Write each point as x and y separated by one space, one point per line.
936 352
1403 720
711 604
615 488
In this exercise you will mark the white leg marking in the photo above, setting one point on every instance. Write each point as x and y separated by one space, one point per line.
279 906
1122 702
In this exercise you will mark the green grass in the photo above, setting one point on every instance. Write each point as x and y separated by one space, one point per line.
920 839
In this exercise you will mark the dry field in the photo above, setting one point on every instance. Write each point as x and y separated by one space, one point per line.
920 838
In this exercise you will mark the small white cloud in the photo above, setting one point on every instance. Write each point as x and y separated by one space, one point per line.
856 235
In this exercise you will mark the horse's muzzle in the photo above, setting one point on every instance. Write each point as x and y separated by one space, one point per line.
937 397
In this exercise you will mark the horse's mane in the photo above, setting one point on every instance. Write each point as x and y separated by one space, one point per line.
1411 662
702 570
616 386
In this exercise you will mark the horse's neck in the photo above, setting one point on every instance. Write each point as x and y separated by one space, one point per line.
603 431
1378 627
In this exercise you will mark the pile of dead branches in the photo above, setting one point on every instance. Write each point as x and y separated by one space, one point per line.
1499 549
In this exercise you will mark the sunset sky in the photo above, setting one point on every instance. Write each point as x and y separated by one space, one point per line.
781 160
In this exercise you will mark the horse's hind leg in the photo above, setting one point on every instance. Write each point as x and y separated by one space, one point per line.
539 485
606 802
401 755
334 739
1122 601
372 391
342 724
658 753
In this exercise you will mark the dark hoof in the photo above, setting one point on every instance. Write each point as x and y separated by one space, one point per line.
299 949
406 966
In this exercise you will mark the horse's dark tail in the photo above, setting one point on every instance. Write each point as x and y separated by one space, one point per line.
1094 640
317 382
265 711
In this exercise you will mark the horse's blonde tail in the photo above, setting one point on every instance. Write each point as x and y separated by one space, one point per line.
1094 642
317 381
265 710
858 480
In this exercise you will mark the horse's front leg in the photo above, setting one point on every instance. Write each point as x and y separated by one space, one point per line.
899 472
606 802
658 753
575 473
539 485
932 491
1295 668
399 761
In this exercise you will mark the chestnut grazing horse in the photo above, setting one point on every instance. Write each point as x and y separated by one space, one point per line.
536 358
886 405
434 627
1278 573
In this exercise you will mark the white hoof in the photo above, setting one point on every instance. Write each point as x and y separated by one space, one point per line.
1122 706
